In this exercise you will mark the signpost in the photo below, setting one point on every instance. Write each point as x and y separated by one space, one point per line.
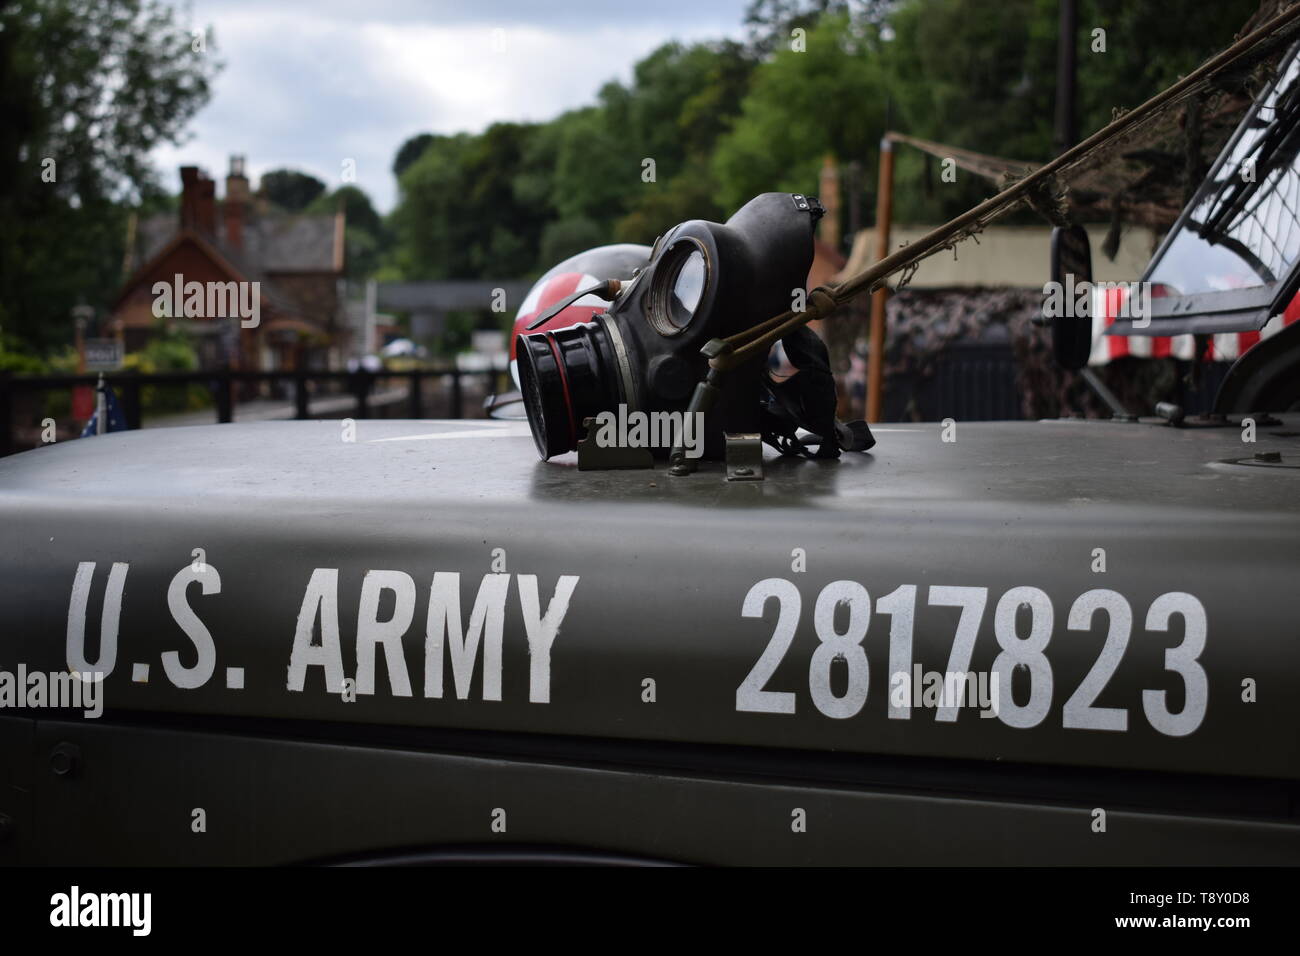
103 355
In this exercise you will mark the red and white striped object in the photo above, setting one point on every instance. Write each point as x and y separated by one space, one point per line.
1224 346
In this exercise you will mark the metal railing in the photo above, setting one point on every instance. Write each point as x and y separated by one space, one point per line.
359 384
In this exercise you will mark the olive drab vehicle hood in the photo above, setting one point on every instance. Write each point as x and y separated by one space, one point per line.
1133 584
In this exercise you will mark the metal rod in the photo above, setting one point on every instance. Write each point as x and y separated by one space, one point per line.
1117 409
884 223
1067 53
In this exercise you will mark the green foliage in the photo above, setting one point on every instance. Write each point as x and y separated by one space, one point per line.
697 110
168 350
14 358
1148 47
468 208
422 220
568 237
87 89
691 194
516 199
409 152
366 237
771 22
802 106
982 80
457 334
290 189
983 77
597 165
356 204
57 256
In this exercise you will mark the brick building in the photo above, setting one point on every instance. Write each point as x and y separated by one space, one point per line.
296 260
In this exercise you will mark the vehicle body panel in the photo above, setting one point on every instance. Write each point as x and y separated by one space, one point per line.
664 566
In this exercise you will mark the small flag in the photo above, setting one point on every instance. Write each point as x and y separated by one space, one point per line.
108 415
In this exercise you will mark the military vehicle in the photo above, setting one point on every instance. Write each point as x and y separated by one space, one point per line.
1052 642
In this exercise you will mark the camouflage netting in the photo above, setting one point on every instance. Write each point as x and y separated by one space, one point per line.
1145 177
922 323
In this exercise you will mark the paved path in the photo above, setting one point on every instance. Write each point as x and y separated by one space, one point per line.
269 409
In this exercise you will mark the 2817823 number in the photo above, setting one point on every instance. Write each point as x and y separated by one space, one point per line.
1022 644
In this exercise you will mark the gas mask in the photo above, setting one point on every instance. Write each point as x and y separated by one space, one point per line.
704 281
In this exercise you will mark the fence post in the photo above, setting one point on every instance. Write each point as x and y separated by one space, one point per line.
131 401
417 411
361 385
457 397
6 413
302 405
491 385
225 404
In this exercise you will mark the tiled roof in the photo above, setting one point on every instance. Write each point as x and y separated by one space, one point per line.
290 243
272 243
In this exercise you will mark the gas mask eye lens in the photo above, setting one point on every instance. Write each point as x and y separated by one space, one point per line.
687 290
678 288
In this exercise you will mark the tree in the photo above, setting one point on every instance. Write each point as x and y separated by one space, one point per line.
429 240
460 214
1147 49
410 151
366 238
982 76
683 101
598 164
977 76
801 106
771 22
966 72
355 203
691 194
515 199
568 237
290 189
635 163
701 128
87 89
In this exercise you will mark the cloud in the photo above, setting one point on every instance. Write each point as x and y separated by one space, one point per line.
310 85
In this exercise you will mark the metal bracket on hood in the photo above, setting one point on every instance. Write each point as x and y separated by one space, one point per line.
744 456
592 457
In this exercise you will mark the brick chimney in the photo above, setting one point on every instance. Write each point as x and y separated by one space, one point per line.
829 193
189 197
198 201
208 207
236 205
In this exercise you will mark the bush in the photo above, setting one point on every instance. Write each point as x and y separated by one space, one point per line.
168 351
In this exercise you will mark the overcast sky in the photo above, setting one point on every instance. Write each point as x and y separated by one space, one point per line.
309 84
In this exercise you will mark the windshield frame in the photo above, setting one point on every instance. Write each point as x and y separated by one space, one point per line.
1232 310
